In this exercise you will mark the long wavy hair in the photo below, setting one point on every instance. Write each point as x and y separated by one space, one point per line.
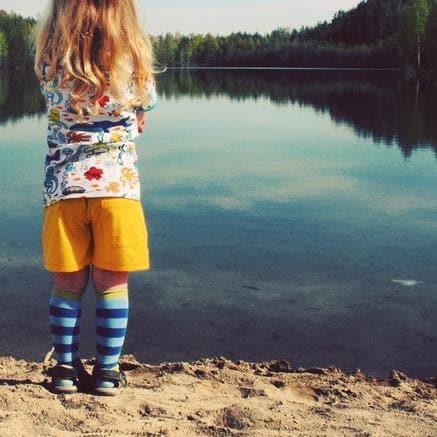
98 44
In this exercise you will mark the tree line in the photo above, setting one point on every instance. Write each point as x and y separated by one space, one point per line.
278 48
15 39
377 33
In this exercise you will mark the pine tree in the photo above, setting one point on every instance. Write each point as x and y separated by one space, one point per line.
3 46
414 18
430 41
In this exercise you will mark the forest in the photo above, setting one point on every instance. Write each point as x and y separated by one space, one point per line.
375 34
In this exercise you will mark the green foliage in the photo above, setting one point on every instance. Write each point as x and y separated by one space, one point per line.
430 40
16 32
279 48
414 20
3 46
369 23
377 33
366 36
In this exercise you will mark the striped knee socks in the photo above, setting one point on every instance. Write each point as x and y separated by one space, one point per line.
111 323
65 312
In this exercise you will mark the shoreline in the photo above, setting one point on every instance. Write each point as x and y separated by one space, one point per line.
27 65
172 318
198 67
220 397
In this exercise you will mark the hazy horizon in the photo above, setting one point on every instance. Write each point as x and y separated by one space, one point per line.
217 17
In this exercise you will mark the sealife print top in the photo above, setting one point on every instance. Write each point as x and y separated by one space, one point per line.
94 156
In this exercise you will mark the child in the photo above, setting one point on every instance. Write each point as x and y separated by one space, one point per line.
95 67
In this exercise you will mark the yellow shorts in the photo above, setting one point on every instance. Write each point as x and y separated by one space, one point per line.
109 233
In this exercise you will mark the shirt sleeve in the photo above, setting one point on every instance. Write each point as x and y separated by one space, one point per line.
152 98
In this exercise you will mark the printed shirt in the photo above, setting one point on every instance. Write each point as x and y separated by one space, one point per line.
93 157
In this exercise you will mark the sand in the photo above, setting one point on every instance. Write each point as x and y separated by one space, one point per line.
219 397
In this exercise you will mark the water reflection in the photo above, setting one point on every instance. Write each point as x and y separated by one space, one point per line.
380 105
19 95
274 232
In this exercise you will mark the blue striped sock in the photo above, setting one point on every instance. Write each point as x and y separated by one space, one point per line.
65 312
112 308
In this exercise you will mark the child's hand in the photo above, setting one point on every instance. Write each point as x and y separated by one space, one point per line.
141 120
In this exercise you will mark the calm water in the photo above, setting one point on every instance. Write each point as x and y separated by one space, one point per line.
284 208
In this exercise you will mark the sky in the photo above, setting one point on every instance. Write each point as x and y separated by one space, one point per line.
217 16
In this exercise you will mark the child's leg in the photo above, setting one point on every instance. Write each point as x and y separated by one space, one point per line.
65 312
111 318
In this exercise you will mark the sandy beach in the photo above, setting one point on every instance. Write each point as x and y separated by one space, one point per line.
220 397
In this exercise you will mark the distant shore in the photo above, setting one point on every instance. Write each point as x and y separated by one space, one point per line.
220 397
199 67
29 65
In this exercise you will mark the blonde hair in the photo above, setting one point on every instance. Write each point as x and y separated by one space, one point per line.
98 44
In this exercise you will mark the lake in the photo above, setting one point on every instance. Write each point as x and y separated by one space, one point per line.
292 214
